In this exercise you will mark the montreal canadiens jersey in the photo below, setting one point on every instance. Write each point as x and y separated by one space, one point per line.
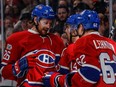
98 53
48 50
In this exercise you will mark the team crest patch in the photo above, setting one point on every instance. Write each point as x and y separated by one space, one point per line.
45 59
9 47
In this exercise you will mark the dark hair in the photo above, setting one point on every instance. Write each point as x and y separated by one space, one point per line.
81 6
61 6
100 7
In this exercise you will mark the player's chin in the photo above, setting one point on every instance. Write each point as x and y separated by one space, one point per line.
43 33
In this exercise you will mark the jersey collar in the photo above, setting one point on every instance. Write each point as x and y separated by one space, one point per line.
32 31
97 33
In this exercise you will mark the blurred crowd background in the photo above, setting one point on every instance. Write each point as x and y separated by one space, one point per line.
17 15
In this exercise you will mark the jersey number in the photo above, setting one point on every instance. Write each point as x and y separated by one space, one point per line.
7 55
107 70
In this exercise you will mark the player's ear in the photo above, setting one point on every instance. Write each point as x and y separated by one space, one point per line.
35 20
80 30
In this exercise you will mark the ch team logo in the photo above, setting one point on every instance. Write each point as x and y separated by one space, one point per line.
46 58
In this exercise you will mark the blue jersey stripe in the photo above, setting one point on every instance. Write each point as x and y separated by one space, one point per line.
89 73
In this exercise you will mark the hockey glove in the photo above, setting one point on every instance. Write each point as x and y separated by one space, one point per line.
51 79
22 65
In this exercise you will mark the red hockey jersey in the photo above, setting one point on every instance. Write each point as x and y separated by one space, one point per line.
96 54
29 42
95 61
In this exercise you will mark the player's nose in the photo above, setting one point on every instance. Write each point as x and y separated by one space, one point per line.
48 26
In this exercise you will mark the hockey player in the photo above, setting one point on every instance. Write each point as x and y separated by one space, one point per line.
94 56
72 27
29 54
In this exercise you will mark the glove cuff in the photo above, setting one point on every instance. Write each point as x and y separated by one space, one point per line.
54 80
20 67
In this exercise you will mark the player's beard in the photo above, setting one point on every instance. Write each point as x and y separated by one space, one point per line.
43 32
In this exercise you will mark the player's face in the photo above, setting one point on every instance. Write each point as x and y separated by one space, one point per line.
71 29
62 14
44 26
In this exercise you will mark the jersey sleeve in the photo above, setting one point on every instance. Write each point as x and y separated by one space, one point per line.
65 63
12 53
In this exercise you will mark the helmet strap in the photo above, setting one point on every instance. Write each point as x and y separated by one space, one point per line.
36 26
70 38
